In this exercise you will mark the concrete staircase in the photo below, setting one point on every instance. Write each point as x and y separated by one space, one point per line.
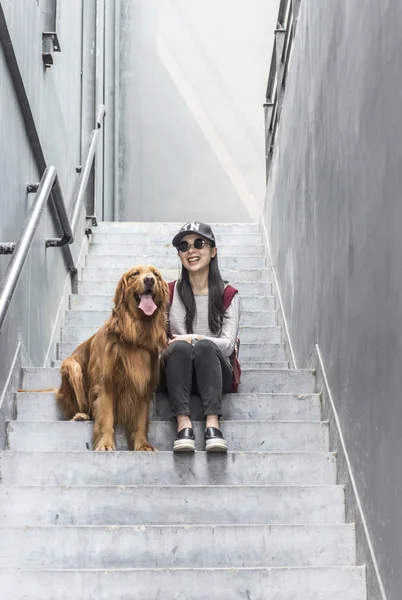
266 521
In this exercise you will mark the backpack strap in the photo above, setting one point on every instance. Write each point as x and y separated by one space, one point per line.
171 285
228 295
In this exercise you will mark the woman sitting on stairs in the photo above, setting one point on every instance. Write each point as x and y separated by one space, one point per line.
203 321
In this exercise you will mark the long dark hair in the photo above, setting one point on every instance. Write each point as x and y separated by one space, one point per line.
216 288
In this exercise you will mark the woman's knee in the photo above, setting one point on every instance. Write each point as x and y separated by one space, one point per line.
179 348
205 348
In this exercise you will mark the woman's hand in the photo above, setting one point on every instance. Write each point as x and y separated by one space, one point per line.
185 338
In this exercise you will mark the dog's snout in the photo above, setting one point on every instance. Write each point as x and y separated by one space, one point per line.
149 280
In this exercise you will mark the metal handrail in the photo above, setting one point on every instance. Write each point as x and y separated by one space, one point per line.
44 191
81 188
282 12
282 48
86 171
22 247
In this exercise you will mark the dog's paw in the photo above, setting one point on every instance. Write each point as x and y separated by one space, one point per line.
80 417
145 448
104 446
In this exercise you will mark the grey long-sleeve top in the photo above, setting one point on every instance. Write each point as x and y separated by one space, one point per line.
226 340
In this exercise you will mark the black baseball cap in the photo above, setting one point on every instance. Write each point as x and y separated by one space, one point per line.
202 229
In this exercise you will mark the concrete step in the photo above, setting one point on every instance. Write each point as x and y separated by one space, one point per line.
263 365
231 275
273 381
152 239
170 505
98 317
100 288
249 436
246 365
248 352
167 468
270 334
166 546
280 407
252 381
265 334
154 246
258 317
170 229
105 302
283 583
171 261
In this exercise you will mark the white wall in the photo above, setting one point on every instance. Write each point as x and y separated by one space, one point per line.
192 84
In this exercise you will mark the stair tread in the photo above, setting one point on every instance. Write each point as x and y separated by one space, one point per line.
196 527
252 327
178 545
241 435
202 569
167 486
113 274
171 422
174 504
231 397
53 369
41 406
253 380
282 583
122 468
100 288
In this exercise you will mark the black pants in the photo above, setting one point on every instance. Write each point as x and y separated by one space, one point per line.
201 370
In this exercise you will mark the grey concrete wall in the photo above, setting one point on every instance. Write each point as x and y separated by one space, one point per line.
333 212
192 82
55 98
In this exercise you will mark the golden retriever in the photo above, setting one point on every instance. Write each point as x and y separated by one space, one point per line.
112 376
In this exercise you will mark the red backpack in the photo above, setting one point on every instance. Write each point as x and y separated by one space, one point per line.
234 357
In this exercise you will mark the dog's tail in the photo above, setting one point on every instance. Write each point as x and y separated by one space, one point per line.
71 369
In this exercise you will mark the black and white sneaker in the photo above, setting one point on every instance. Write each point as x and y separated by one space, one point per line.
185 441
214 440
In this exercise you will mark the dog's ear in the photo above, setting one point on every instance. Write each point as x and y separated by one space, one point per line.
165 292
120 293
162 287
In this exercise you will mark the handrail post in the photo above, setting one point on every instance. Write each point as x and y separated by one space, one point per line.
68 232
13 273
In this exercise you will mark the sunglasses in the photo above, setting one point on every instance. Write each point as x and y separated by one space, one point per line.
185 246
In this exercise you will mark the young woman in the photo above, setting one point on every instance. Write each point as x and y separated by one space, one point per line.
202 337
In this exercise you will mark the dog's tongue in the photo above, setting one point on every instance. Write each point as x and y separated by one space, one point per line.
147 305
